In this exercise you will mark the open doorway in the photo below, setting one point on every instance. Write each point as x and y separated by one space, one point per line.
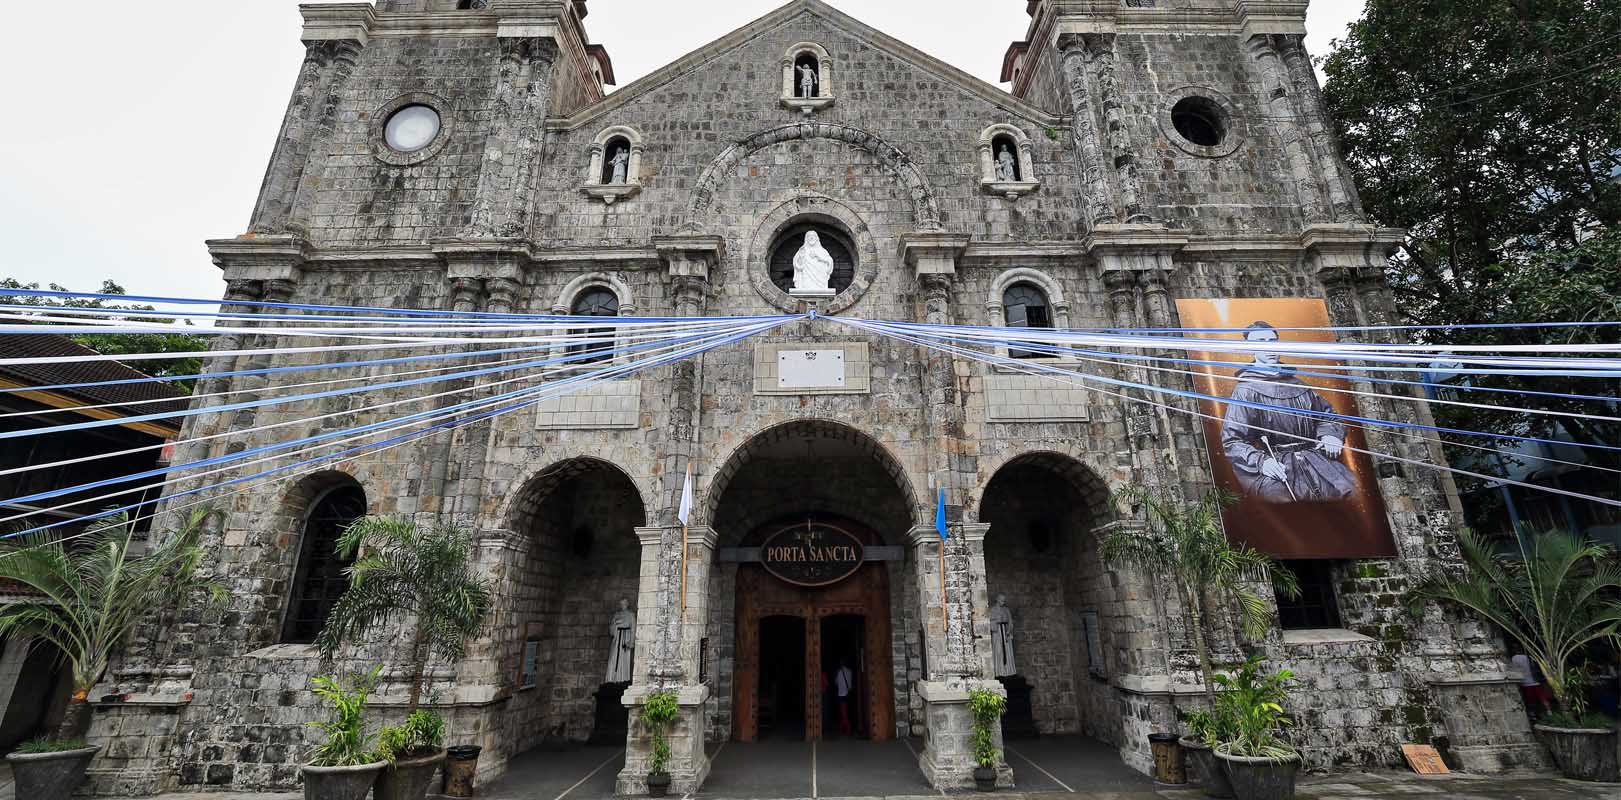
844 671
782 678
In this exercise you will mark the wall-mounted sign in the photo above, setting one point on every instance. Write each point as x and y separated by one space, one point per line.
531 658
812 554
810 369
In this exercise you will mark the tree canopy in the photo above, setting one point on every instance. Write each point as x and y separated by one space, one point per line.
184 345
1491 130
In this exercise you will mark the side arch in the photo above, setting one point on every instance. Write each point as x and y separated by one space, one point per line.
925 205
523 503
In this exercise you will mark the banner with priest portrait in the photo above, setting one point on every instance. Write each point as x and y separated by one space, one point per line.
1306 489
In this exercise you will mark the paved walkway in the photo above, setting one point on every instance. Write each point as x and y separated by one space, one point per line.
1050 768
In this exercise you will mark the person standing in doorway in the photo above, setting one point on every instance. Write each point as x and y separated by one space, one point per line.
843 682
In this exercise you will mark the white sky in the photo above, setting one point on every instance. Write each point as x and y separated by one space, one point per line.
147 129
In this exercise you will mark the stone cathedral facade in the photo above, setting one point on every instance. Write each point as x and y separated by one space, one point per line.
467 157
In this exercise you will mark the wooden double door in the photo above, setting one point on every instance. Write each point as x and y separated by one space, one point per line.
846 623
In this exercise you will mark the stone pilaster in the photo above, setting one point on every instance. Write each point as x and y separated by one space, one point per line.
1342 194
1122 149
306 131
1088 140
308 169
523 86
1277 95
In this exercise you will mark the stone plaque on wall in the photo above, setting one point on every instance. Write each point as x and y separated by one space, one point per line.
611 404
811 368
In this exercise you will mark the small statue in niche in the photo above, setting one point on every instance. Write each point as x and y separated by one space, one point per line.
1002 663
621 165
622 650
807 80
1007 167
813 265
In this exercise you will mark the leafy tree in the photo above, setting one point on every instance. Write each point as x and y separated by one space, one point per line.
409 571
1187 547
117 344
97 591
1490 130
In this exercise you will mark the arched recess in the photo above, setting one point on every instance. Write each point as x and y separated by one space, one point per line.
795 473
1045 510
991 140
571 290
925 206
812 208
994 307
576 556
316 510
599 182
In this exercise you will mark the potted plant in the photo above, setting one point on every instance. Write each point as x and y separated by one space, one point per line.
90 597
1205 728
987 707
1260 765
345 765
424 575
657 714
1556 598
414 749
1188 549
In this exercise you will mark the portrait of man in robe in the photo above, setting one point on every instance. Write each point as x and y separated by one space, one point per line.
1279 432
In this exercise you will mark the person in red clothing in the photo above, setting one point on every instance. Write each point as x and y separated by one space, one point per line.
843 682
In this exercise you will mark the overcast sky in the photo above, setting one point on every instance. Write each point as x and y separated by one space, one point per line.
147 128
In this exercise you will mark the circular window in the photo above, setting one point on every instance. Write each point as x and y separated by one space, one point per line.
1200 120
832 239
411 128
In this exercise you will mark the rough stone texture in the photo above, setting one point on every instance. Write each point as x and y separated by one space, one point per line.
1127 218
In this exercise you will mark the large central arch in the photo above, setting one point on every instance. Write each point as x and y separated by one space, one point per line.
925 206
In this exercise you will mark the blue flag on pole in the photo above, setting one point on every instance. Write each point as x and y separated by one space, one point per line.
940 515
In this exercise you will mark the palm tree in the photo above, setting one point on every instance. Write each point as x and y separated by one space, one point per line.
1188 547
1559 597
93 593
409 570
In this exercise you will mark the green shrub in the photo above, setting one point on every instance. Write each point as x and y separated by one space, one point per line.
1251 699
987 707
45 744
422 733
347 743
657 713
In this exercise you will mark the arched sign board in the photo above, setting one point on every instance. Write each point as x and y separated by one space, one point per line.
812 554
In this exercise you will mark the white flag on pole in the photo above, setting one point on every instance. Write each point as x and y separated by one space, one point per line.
685 510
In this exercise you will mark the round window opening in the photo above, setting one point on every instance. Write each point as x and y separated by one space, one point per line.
1199 120
833 240
411 128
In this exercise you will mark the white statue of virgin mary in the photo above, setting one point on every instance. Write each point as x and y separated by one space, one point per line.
813 265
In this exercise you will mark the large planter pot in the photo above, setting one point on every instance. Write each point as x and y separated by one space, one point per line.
1261 778
340 783
1212 777
1583 754
658 784
50 776
985 779
408 778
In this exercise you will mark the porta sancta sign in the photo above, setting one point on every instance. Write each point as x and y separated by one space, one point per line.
812 554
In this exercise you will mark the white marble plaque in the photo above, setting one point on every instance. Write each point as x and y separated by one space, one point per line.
810 369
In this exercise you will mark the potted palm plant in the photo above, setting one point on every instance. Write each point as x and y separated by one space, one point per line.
422 574
987 707
1556 598
90 595
346 764
1260 765
657 714
1187 549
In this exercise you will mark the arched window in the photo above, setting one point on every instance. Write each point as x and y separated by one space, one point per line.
320 579
472 5
1025 306
597 301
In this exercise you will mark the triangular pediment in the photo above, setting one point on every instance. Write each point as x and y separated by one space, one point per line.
786 14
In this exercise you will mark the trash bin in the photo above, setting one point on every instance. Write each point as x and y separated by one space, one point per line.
1169 769
461 764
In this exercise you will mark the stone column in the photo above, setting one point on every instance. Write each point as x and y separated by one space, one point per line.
518 111
1121 147
1342 194
1275 93
325 119
1088 140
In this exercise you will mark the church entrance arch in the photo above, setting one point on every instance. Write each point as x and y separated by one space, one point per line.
807 597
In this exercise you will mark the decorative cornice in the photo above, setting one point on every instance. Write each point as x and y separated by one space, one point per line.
261 257
932 252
